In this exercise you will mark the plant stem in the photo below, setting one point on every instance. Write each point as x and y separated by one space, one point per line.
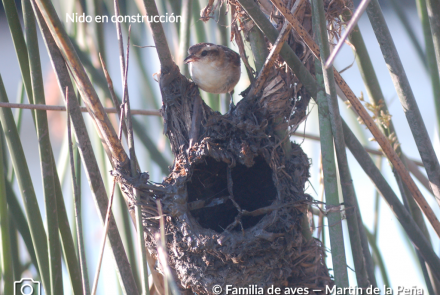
166 60
403 18
376 95
90 164
258 46
105 130
433 7
44 146
430 56
354 220
406 96
312 87
184 34
5 243
403 216
77 205
331 185
35 222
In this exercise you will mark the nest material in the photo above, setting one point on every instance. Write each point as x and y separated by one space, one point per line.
234 204
234 200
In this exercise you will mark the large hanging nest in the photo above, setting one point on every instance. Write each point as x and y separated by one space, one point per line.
234 202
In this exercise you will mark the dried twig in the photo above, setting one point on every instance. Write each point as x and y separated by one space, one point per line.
268 64
134 173
240 44
112 93
354 20
107 219
369 150
63 108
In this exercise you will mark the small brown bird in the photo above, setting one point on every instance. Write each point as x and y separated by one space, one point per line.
214 68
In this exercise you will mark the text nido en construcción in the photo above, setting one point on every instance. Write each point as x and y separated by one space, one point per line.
84 18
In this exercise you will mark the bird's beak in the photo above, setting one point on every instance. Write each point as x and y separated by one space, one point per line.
189 58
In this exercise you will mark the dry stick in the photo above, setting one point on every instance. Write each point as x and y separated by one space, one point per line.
63 108
117 110
77 204
240 45
381 139
241 50
412 167
107 218
354 20
369 150
113 94
120 43
270 60
419 175
106 132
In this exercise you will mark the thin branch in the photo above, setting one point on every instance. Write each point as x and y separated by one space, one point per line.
369 150
113 94
412 167
134 173
270 60
106 132
107 219
63 108
240 45
353 22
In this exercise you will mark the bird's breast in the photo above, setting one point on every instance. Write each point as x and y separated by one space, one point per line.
214 77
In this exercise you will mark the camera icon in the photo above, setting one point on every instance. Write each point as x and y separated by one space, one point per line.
27 287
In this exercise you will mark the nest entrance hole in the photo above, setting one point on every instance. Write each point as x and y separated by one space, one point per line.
209 200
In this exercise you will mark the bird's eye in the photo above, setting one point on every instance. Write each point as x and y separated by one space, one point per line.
204 53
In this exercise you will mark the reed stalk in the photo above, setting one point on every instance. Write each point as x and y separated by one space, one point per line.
352 211
7 266
406 96
339 260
